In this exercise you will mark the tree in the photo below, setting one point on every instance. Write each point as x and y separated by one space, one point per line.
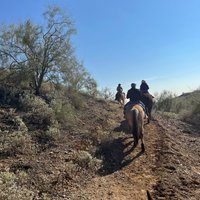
42 52
107 94
77 78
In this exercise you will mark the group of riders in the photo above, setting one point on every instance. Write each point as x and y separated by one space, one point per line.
134 95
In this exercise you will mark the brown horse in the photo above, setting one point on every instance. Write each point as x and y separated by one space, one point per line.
147 99
135 118
120 97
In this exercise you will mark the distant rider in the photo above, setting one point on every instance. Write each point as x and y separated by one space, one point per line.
119 91
144 87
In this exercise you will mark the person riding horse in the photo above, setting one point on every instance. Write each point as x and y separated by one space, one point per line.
119 91
134 113
147 98
144 87
135 97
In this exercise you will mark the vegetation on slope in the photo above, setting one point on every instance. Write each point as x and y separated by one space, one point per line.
185 106
47 98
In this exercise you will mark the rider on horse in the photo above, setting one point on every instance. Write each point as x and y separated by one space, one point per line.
135 97
119 91
144 87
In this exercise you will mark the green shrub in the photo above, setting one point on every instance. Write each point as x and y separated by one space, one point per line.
85 160
186 106
76 99
64 112
14 134
106 94
164 101
9 188
16 143
192 115
38 114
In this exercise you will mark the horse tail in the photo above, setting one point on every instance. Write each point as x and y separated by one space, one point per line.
135 128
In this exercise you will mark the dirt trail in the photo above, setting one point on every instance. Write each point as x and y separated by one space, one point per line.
169 169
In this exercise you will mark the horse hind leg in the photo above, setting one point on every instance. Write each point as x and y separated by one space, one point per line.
142 143
142 146
135 141
142 134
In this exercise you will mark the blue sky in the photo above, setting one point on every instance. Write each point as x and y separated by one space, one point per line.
125 41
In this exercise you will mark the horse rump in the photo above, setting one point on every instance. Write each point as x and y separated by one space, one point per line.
147 99
135 119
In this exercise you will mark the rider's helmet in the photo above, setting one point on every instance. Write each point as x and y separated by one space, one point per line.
133 85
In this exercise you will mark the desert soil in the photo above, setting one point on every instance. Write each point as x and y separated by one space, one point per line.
169 168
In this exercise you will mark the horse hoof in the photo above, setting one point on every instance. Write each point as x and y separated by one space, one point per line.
135 144
143 149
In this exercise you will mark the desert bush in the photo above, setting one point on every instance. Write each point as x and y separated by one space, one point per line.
85 160
9 95
37 113
64 111
10 189
185 106
106 94
16 143
14 134
76 99
164 101
192 115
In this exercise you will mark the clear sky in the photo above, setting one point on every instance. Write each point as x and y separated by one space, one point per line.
125 41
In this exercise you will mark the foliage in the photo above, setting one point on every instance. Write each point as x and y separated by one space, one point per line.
186 106
14 135
10 189
85 160
106 94
164 101
32 54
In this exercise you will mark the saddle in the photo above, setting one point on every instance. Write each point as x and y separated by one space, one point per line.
132 103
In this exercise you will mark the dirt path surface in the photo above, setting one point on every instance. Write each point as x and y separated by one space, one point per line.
169 169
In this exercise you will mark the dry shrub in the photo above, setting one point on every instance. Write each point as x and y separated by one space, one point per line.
10 189
64 112
38 114
85 160
16 143
76 99
14 135
192 115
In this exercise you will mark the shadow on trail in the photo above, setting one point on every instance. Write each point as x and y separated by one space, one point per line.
114 153
123 127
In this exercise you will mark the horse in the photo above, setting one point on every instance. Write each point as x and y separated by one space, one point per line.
120 97
135 117
147 99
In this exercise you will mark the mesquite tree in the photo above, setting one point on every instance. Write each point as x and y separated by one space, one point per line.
39 53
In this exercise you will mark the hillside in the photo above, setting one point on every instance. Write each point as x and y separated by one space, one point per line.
185 107
94 159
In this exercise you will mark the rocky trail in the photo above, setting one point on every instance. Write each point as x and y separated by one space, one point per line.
169 168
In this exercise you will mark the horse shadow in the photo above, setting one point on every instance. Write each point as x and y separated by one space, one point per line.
123 127
115 153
